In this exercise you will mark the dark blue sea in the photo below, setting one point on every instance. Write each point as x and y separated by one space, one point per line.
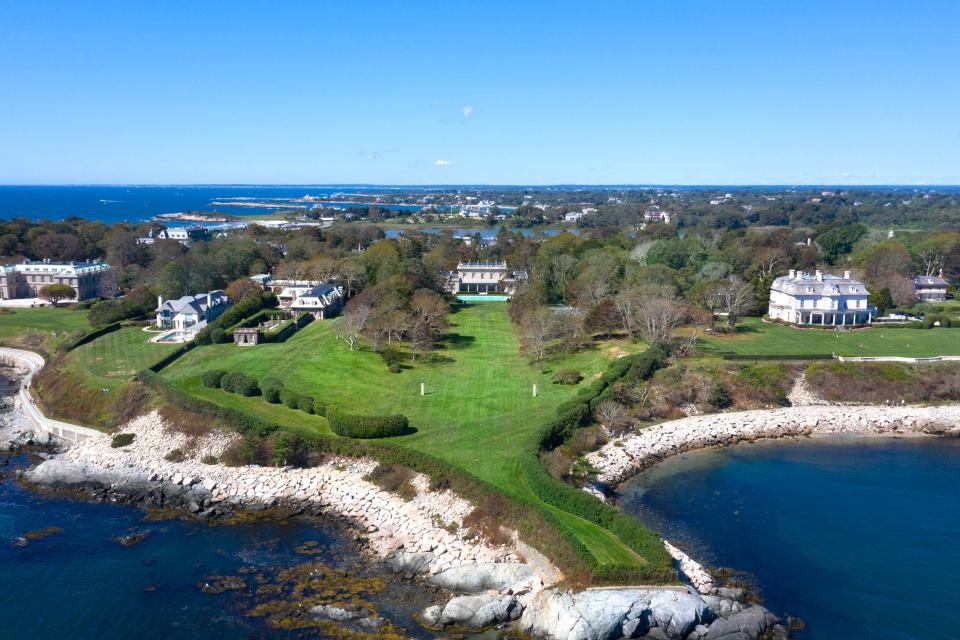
80 582
859 538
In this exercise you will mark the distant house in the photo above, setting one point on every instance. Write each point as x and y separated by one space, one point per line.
183 235
478 210
820 299
91 279
655 215
573 216
322 300
191 313
485 277
262 279
931 288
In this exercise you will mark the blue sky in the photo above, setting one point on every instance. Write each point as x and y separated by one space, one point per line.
480 92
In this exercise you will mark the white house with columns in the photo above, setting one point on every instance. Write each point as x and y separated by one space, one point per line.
820 299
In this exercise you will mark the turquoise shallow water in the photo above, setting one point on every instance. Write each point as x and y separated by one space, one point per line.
81 583
857 537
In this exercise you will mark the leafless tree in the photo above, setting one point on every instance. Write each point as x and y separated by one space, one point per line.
737 298
562 267
355 320
612 415
537 327
657 318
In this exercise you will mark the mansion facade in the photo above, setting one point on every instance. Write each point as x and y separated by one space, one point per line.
820 299
87 279
485 277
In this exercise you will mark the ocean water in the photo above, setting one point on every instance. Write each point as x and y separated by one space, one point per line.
859 538
79 582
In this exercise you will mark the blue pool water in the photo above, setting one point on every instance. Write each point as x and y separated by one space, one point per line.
482 298
857 537
81 583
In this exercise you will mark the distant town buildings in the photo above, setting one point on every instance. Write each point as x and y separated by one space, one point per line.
655 215
485 277
931 288
91 279
820 299
191 313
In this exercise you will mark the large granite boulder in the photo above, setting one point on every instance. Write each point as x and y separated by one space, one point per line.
476 578
412 563
749 624
478 612
605 614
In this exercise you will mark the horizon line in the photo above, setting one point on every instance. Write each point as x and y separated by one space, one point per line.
519 185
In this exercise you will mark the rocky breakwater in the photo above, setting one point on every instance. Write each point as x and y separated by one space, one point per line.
621 458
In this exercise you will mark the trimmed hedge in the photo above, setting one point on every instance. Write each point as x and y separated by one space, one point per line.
239 383
213 378
271 394
767 356
353 426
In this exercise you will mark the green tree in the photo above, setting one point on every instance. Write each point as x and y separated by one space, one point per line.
54 293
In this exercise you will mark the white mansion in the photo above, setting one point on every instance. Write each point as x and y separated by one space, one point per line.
484 277
820 299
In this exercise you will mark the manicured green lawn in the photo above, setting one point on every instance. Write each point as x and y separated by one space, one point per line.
41 326
754 337
113 359
478 411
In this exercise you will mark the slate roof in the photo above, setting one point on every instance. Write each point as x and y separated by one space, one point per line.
192 304
829 285
930 281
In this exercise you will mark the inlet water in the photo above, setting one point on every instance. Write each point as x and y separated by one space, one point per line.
857 537
79 581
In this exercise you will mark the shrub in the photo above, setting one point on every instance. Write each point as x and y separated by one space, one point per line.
208 459
352 426
394 367
272 393
305 404
392 357
214 378
393 478
319 408
122 440
177 455
218 335
720 396
290 399
239 383
567 376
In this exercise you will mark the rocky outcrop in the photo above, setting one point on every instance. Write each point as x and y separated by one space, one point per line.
623 457
604 614
474 612
483 577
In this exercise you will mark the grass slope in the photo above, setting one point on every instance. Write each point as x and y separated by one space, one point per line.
41 327
113 359
478 412
754 337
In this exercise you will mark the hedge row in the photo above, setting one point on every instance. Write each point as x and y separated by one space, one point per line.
570 416
767 356
354 426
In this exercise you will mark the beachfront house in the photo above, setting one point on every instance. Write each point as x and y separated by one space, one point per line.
191 313
322 300
931 288
90 279
485 277
820 299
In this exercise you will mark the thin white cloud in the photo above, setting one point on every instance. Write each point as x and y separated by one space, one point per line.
443 163
466 111
846 174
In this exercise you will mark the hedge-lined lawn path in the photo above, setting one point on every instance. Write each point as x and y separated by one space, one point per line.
478 412
754 337
113 359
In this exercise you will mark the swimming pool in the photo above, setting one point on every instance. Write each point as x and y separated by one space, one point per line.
482 298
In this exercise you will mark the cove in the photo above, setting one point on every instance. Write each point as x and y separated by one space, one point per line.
78 581
856 536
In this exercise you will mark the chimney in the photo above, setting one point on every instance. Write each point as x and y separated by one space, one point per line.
846 275
941 273
159 301
818 275
793 273
209 298
808 241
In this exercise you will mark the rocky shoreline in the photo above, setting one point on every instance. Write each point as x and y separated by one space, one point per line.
489 586
623 457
